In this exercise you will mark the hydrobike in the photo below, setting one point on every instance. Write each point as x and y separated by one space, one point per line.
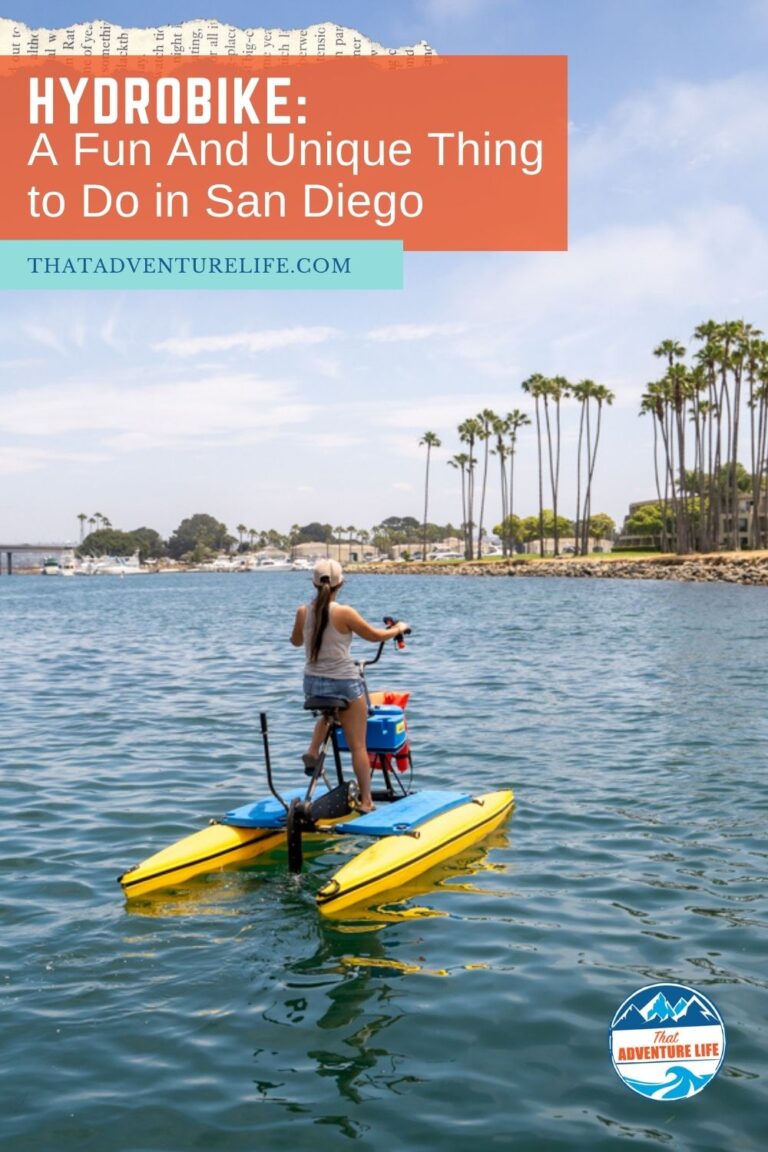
411 831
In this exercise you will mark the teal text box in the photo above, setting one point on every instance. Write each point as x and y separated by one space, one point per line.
152 264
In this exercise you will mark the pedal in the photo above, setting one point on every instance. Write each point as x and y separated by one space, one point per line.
313 765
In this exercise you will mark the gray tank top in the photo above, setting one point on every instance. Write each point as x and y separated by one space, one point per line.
334 659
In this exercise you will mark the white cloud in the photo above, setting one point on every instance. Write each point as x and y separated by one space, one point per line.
265 341
45 336
623 285
331 440
683 127
20 458
214 409
396 333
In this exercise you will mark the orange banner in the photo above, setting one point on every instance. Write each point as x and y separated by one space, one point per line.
443 153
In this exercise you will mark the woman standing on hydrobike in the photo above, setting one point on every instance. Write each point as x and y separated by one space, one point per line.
325 628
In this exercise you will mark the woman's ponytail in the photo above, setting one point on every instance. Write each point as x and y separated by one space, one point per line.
321 616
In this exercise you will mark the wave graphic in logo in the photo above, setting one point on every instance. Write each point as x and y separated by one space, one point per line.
667 1041
678 1083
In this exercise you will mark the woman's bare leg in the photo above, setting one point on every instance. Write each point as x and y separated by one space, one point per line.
354 721
318 735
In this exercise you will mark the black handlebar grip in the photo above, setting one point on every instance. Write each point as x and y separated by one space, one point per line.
399 642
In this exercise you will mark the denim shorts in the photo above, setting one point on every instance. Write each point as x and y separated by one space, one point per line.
351 689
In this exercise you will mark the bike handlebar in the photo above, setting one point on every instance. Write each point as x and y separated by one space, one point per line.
390 622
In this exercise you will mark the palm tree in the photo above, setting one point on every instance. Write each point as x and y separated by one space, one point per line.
241 531
486 420
581 392
502 452
338 531
97 516
535 386
469 433
461 461
649 404
514 421
431 440
757 382
601 395
556 390
82 517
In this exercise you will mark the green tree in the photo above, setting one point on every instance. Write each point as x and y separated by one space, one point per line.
601 526
647 520
510 532
82 517
108 542
200 531
314 533
530 526
149 543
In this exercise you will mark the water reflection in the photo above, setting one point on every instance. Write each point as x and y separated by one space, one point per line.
344 1002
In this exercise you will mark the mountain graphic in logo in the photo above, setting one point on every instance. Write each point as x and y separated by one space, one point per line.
658 1011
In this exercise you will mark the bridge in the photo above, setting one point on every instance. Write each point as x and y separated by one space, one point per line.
35 554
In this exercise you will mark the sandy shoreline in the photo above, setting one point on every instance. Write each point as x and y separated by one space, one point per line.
729 568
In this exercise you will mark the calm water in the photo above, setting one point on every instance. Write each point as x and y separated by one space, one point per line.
469 1011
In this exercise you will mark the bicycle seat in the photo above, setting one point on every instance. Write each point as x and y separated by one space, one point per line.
325 704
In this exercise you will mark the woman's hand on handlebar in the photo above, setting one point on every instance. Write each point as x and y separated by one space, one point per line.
402 628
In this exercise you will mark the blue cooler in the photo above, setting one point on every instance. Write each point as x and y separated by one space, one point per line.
386 730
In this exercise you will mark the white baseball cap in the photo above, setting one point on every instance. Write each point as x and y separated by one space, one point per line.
327 571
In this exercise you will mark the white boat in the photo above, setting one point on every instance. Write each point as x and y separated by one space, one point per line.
273 564
114 566
301 565
51 567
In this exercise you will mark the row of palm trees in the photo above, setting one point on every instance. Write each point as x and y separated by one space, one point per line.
95 523
271 538
700 413
490 434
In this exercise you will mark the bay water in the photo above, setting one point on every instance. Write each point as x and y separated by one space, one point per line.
469 1010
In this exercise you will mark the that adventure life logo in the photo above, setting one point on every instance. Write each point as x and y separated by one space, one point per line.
667 1041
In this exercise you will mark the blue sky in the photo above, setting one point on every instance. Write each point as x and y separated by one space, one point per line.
280 408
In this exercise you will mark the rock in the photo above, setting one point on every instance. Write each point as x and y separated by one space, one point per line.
734 568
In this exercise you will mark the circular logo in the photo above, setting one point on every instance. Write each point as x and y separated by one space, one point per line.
667 1041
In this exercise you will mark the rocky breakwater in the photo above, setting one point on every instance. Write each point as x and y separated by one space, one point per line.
730 568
